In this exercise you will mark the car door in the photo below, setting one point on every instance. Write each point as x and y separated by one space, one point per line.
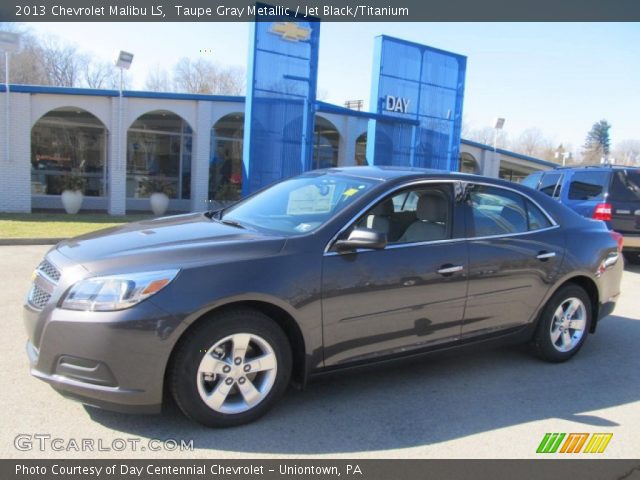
407 296
515 251
624 197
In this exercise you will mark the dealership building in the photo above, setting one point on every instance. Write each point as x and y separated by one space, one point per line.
193 142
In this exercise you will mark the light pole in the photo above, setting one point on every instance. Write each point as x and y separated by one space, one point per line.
9 42
123 62
497 125
562 153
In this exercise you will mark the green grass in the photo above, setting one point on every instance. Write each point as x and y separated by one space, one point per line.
58 225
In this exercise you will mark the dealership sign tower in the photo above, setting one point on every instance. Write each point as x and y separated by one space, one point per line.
416 102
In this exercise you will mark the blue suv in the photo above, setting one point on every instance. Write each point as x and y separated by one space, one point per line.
610 193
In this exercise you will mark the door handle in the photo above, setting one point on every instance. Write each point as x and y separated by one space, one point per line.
544 256
450 269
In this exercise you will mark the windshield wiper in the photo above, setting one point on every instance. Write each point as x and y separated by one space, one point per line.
233 223
214 214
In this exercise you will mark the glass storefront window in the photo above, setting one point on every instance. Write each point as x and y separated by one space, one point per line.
326 144
159 147
68 141
468 163
361 150
225 165
512 173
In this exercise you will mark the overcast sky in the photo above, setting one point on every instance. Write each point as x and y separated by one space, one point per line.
559 77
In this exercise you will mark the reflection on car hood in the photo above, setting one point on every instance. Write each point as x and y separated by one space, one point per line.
175 240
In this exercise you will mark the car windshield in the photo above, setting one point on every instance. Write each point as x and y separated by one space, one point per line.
299 205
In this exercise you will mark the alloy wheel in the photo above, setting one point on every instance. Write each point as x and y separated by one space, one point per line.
568 324
237 373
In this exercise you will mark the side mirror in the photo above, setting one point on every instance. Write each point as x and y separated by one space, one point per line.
362 238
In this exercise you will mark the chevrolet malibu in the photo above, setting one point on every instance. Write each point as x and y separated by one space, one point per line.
329 270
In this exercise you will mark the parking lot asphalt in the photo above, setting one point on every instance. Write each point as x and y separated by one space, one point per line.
489 404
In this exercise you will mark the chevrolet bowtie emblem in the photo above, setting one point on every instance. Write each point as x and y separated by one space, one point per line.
291 31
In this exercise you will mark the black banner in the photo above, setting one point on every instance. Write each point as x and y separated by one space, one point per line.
325 469
327 11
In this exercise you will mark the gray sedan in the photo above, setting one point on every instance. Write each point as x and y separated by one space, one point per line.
326 271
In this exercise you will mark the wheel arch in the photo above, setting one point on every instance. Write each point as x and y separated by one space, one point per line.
279 315
589 286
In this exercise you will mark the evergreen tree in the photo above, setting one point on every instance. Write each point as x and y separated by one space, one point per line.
598 143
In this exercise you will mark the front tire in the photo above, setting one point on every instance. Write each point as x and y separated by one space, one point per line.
231 368
563 325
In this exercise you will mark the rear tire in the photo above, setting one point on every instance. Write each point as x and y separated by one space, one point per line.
563 325
231 368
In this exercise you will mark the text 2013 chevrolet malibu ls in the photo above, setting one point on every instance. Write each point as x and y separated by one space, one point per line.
332 269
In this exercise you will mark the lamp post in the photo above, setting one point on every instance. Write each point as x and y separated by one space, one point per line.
497 125
123 62
561 153
9 42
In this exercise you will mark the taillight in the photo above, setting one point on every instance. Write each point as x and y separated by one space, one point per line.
602 212
618 238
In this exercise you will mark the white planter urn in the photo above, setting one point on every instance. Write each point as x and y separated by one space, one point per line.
72 200
159 203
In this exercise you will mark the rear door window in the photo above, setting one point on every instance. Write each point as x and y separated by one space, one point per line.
551 184
496 211
625 186
588 185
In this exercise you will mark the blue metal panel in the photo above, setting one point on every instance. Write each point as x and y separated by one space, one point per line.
280 108
420 83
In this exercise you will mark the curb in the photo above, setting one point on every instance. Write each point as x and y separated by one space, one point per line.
30 241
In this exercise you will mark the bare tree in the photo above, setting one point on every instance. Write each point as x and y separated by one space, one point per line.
98 74
158 80
533 142
203 76
25 66
231 81
486 136
627 152
194 76
62 64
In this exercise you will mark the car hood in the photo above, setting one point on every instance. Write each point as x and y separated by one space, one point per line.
168 241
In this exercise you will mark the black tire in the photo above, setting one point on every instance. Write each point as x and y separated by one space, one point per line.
183 374
632 257
542 344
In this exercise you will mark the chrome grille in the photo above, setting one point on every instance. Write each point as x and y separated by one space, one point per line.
44 282
47 269
38 297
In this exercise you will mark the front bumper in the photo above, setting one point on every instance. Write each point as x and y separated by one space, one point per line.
112 360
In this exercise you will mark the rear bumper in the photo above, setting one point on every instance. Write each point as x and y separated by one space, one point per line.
631 241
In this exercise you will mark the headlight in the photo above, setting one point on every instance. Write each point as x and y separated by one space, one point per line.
116 292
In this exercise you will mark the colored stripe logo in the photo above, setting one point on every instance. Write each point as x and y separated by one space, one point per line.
574 443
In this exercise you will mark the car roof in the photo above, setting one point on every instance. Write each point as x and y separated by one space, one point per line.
387 172
590 168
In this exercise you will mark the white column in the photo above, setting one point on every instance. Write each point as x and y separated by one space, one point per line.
200 157
117 157
15 171
490 163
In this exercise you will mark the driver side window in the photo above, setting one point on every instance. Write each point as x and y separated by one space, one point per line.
419 214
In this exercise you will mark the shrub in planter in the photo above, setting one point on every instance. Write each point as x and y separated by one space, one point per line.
159 191
72 196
